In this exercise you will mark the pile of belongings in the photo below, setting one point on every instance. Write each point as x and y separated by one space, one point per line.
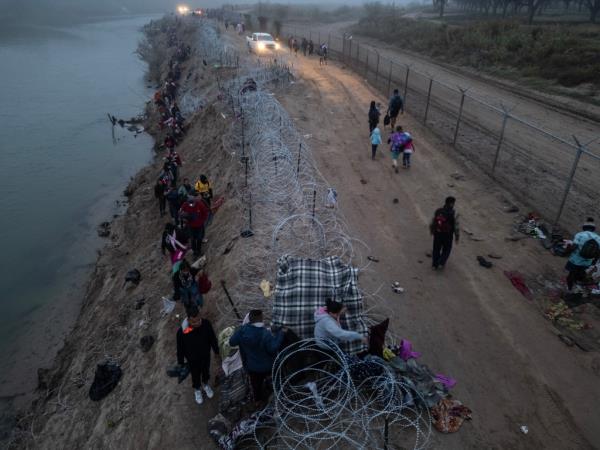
301 287
233 382
106 378
449 414
531 225
563 316
248 86
228 438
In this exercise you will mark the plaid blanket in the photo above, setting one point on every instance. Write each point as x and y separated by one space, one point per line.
302 287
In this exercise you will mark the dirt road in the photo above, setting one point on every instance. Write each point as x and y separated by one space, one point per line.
532 164
468 321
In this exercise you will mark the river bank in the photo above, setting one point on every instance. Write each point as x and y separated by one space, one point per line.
114 317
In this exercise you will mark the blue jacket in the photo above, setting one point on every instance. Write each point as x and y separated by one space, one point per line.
258 347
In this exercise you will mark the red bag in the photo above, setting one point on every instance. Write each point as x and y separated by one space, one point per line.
204 284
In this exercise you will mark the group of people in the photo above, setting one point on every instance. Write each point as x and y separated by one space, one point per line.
308 47
401 141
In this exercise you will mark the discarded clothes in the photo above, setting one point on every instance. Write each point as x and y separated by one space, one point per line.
243 429
106 378
448 415
234 390
519 283
420 381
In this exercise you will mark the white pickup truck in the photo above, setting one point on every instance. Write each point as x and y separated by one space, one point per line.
261 43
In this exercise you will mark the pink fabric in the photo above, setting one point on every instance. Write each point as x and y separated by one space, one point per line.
406 352
177 256
446 381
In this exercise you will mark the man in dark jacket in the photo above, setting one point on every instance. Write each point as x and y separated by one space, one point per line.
444 227
395 107
258 347
195 339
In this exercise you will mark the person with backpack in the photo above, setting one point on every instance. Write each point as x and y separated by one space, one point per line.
195 339
195 212
396 144
323 54
373 116
408 148
395 107
258 348
185 285
375 141
585 252
444 228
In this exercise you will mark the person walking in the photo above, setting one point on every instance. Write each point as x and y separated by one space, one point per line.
311 47
373 116
444 228
395 107
408 148
323 55
195 339
585 252
395 141
375 141
185 285
258 347
304 46
159 192
195 212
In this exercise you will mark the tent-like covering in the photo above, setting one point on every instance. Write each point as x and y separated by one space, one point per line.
302 287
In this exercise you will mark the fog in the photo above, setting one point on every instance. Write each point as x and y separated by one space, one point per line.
66 11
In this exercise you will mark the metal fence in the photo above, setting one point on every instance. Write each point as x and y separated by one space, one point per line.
558 179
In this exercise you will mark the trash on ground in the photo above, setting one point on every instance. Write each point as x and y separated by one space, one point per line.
265 286
134 276
449 414
106 378
146 343
397 288
484 262
524 429
519 283
168 306
372 258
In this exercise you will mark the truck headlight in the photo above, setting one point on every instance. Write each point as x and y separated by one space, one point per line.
260 46
277 46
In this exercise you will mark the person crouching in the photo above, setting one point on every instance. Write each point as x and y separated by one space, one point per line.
195 339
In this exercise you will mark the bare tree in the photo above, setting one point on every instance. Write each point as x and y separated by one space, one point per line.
594 7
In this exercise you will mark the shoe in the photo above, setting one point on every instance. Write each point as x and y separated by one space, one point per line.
198 396
396 169
208 390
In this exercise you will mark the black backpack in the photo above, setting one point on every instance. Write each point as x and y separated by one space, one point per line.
590 249
443 221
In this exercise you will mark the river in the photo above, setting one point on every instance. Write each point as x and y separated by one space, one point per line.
61 174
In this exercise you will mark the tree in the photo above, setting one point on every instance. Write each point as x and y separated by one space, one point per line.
277 28
594 7
441 5
532 7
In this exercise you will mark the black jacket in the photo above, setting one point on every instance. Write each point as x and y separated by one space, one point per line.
194 344
374 116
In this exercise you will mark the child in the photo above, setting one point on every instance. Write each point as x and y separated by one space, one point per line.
407 149
375 141
396 146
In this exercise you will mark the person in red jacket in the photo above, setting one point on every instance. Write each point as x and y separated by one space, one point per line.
195 213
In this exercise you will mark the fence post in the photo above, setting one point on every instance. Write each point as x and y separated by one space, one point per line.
299 154
428 99
389 79
349 52
406 83
328 40
367 66
500 139
357 54
569 181
460 110
320 39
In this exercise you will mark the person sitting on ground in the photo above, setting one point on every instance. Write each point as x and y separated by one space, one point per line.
258 347
328 328
373 116
195 339
395 107
585 252
185 286
204 188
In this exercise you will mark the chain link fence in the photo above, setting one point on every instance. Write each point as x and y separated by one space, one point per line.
558 179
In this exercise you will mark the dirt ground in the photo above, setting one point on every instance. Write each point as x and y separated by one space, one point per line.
469 322
532 165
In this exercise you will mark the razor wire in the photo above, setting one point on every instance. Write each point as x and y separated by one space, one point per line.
288 208
327 400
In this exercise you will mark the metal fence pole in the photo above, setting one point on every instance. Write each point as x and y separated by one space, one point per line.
320 39
500 139
389 79
460 110
570 180
428 99
349 52
367 66
328 40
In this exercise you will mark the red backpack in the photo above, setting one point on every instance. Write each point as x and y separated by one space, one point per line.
443 221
